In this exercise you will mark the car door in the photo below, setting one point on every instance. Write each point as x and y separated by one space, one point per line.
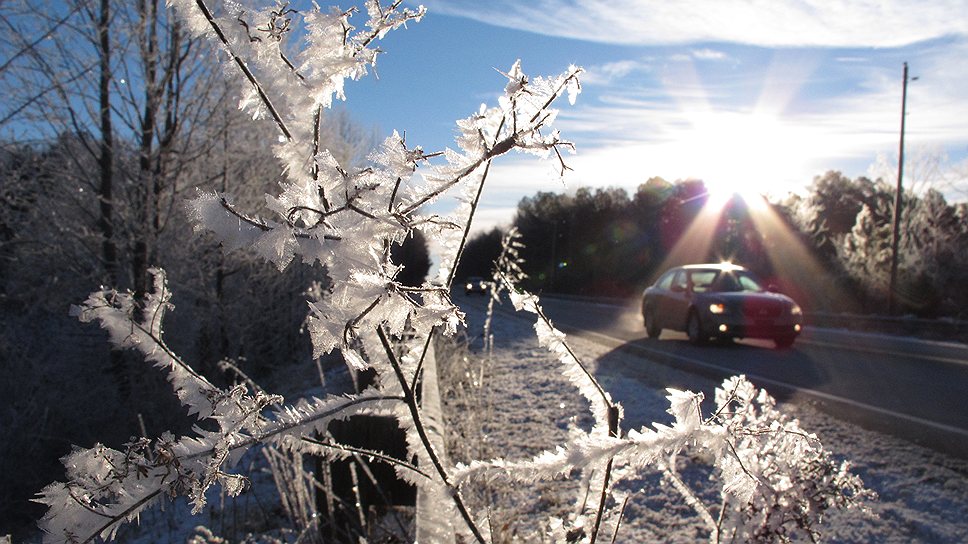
656 298
676 303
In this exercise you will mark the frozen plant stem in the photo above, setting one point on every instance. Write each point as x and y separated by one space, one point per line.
588 375
369 453
613 432
245 69
669 472
618 522
612 412
453 271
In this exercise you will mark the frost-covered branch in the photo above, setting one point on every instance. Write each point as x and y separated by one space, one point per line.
765 477
107 487
606 413
507 265
347 220
577 373
371 454
243 67
116 313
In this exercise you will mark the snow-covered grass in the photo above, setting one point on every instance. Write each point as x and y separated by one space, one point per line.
516 403
258 515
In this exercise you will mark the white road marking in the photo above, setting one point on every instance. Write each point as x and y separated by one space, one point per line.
807 392
891 353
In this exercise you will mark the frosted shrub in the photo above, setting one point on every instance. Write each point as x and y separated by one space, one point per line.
777 479
507 265
347 221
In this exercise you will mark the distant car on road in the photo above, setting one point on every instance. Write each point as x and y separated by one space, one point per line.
475 285
719 300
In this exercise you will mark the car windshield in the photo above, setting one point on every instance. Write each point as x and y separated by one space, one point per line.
734 281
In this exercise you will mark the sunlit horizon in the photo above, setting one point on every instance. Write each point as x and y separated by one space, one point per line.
788 257
760 111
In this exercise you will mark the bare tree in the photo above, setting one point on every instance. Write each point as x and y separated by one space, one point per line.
130 88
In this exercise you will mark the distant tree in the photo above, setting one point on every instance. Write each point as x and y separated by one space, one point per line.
479 254
414 255
837 200
645 211
544 221
830 210
599 236
652 193
680 208
866 251
933 256
740 239
601 241
826 216
850 226
130 89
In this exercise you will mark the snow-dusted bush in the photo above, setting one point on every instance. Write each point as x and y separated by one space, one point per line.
347 221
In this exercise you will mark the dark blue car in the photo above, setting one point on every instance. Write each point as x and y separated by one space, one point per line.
719 301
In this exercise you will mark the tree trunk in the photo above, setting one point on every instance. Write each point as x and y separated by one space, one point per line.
149 185
109 251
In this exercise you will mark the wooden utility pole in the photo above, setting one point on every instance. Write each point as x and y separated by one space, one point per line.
898 199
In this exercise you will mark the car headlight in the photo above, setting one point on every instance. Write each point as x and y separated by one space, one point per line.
469 286
795 309
717 308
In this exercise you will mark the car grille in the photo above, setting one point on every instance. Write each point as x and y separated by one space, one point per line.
762 309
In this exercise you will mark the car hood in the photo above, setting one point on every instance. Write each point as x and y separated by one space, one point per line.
749 296
751 304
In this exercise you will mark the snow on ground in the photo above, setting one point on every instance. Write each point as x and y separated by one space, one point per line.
528 406
515 404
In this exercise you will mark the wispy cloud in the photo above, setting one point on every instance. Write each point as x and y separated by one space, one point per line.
709 54
612 71
849 59
863 23
769 95
781 137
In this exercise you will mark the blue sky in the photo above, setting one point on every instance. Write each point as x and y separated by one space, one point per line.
746 95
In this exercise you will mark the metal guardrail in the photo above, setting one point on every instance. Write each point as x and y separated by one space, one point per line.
931 329
432 522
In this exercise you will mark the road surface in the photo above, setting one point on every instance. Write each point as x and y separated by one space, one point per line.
911 388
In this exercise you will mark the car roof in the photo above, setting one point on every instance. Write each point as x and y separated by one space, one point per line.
713 266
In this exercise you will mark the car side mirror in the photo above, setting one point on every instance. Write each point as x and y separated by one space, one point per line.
678 289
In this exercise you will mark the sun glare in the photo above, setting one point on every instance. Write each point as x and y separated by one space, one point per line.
789 257
745 154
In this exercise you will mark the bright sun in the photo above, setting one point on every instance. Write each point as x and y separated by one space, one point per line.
748 154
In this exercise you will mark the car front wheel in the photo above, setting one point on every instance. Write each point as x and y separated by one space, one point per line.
784 342
694 329
652 328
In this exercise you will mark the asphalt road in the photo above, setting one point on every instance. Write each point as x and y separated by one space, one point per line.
911 388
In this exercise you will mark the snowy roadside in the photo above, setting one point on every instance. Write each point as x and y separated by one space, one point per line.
525 406
529 406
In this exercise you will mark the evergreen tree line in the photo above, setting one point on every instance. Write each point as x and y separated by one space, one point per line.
830 248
